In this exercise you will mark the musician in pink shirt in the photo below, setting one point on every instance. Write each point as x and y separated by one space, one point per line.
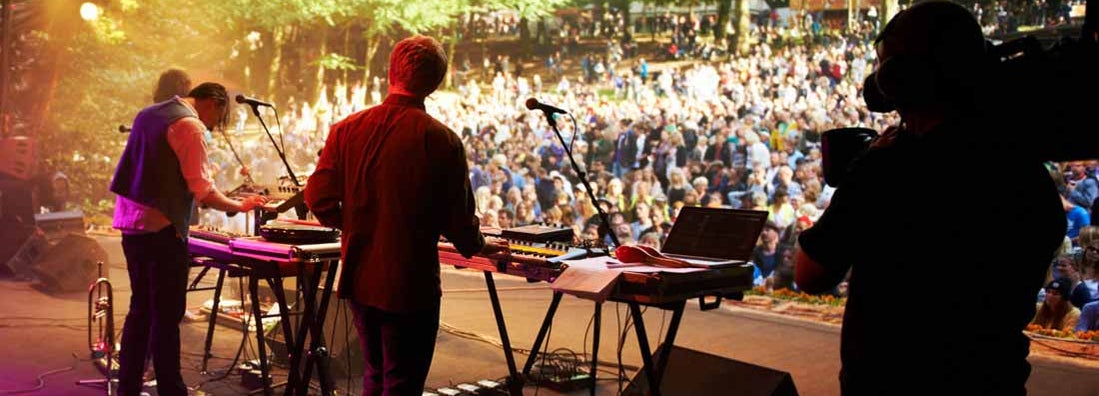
161 175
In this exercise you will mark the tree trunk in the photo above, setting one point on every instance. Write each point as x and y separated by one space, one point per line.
56 56
626 24
372 43
273 81
889 8
454 65
320 67
723 9
852 14
524 37
346 52
742 26
652 24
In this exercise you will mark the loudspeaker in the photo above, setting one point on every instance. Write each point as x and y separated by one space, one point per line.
57 225
695 373
20 246
340 338
16 201
70 265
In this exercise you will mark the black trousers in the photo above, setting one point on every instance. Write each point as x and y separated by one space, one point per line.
397 349
158 269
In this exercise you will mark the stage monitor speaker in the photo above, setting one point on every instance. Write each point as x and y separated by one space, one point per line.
20 246
70 265
695 373
57 225
340 337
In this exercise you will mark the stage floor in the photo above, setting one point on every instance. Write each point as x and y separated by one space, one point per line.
41 332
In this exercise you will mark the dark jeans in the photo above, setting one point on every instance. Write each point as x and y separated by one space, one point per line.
397 349
158 269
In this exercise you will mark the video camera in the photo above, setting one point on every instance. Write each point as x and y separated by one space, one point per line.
1034 78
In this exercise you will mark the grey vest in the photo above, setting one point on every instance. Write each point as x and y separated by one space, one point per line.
149 171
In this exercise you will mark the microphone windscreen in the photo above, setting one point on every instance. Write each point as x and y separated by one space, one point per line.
241 99
532 103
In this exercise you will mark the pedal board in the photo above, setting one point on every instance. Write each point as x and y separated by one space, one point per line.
480 388
559 380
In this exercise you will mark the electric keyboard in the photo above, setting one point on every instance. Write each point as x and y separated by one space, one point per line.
282 197
532 260
255 252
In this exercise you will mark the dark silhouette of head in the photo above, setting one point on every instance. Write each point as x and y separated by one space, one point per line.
929 58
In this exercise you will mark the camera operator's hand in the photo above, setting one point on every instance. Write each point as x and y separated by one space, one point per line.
887 137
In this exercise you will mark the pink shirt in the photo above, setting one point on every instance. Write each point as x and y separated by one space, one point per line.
186 136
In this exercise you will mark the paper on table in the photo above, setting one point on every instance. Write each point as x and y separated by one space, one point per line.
597 262
651 269
605 262
587 281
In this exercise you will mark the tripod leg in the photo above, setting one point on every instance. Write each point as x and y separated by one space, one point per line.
284 319
546 323
595 344
515 382
646 354
212 321
261 346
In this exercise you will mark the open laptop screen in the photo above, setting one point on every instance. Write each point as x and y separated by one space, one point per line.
728 234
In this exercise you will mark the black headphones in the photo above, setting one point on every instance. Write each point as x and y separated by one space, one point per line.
905 81
901 82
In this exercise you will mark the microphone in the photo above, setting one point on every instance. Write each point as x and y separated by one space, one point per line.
252 102
533 104
124 129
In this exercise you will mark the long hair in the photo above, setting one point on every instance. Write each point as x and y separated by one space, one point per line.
1051 318
217 93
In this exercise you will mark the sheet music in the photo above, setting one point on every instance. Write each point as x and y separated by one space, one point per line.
587 282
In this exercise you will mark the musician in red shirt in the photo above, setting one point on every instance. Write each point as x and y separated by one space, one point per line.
394 179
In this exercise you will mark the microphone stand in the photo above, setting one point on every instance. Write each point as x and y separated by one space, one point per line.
248 177
282 155
262 216
605 224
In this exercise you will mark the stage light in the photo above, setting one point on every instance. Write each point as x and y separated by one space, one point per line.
89 11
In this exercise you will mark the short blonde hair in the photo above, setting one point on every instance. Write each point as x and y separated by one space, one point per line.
418 65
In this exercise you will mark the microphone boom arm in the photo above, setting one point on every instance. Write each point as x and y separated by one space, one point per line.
281 153
605 224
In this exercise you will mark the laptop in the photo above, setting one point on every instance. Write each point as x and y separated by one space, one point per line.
714 237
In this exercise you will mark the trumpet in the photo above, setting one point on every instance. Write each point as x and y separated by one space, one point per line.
101 340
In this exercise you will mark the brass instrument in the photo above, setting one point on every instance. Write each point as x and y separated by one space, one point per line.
101 340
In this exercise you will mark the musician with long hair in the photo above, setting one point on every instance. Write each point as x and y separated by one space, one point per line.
159 178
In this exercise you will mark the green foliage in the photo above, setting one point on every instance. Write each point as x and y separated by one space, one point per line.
106 73
106 69
530 9
107 30
334 61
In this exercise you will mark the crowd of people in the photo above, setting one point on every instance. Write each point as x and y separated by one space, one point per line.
652 137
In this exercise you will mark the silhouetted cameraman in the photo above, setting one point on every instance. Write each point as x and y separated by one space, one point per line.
941 284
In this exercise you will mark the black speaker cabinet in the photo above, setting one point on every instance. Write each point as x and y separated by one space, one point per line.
695 373
20 246
70 265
